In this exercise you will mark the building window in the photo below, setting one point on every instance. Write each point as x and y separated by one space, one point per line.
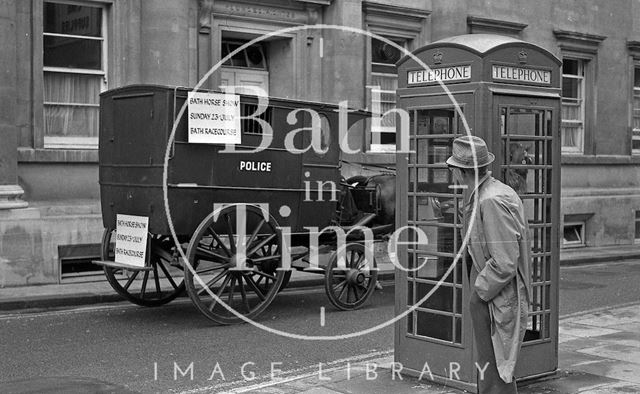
635 138
637 230
573 105
573 234
246 68
74 73
384 82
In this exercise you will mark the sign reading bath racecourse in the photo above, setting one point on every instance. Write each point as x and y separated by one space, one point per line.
444 74
214 118
519 74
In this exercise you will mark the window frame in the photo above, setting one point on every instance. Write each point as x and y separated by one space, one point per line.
635 93
375 144
636 233
581 235
583 46
581 102
399 24
76 142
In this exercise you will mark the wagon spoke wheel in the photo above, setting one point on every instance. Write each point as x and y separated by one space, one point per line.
227 280
349 286
163 283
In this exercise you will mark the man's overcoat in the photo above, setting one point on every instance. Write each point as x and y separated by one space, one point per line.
500 251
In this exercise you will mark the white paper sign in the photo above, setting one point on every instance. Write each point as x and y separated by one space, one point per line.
131 239
214 118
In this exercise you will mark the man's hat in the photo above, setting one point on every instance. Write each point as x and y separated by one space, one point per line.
462 153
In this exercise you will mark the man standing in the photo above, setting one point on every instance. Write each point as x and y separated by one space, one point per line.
496 228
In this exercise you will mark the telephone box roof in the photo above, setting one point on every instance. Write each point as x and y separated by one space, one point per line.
480 44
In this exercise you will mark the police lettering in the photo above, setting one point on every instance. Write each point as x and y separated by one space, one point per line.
258 166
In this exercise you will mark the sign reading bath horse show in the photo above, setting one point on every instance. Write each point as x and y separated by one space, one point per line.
214 118
131 240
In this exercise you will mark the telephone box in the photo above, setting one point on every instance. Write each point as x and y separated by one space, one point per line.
508 92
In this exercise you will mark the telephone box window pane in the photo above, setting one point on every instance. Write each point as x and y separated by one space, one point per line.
410 208
547 325
547 297
434 326
637 232
410 323
458 325
533 328
441 299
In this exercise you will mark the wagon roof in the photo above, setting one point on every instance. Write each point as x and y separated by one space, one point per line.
272 99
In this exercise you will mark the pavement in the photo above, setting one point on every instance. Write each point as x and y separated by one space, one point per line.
599 353
599 350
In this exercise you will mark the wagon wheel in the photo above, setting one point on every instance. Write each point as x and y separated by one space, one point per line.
272 249
350 286
213 254
155 287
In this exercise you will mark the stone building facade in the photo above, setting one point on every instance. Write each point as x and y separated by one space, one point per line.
58 55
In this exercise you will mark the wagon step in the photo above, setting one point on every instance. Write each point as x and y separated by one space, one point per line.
114 264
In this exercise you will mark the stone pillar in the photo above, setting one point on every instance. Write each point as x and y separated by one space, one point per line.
10 191
164 42
344 55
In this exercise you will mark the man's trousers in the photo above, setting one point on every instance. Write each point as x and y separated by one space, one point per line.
489 382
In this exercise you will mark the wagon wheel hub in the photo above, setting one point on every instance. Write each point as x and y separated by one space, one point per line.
355 276
240 260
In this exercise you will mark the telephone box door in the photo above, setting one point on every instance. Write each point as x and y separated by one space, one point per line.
525 153
435 336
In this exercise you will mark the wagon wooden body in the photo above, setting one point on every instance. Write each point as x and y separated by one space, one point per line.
147 161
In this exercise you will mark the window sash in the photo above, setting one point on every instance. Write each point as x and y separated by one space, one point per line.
635 116
573 113
637 228
576 231
71 95
385 86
